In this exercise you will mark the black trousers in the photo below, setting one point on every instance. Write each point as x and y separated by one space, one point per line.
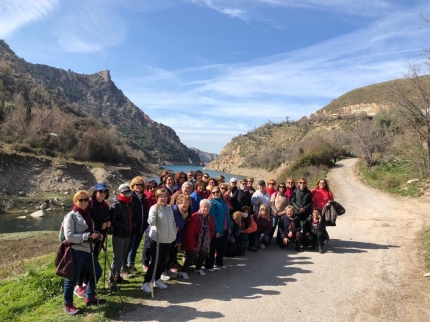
163 252
191 256
314 239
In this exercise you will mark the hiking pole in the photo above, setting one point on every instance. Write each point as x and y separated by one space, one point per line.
94 272
157 251
111 273
104 270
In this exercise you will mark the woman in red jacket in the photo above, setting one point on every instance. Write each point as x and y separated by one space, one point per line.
321 194
199 232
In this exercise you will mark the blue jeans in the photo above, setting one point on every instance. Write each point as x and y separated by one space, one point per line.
135 240
82 260
266 240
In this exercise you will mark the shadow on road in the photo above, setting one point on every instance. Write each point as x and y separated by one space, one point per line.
351 246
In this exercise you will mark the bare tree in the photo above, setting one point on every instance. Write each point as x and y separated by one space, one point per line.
413 97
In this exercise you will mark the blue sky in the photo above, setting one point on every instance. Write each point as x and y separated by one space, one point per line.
212 69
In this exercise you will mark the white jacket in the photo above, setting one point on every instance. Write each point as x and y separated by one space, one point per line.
162 222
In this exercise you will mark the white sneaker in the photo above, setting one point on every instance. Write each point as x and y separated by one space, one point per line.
146 287
159 283
165 277
223 266
200 272
262 246
184 275
211 270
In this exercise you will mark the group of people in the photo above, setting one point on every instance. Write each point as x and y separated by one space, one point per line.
202 217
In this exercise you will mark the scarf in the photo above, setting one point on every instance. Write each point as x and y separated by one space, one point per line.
138 195
126 199
86 215
204 235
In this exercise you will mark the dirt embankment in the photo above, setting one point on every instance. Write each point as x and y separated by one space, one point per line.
26 182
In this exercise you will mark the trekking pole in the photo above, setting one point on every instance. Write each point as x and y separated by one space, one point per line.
104 270
94 272
114 281
156 259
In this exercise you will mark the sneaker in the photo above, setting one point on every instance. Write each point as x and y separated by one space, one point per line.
93 301
262 246
120 280
81 291
321 250
132 270
252 249
159 283
164 277
124 270
146 287
171 274
112 286
145 268
200 272
183 275
70 309
211 270
223 266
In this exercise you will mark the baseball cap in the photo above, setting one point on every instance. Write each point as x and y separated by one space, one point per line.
261 183
101 186
124 188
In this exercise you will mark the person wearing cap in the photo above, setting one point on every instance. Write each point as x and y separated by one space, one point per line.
121 217
100 214
234 191
261 197
140 220
190 176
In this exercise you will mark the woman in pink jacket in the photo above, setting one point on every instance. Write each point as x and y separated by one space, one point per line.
321 194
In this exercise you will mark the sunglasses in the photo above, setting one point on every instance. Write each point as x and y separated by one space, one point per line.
205 177
302 182
234 182
152 187
182 177
214 192
250 181
139 184
271 183
84 200
282 187
223 189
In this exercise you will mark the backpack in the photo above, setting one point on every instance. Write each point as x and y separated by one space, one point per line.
61 236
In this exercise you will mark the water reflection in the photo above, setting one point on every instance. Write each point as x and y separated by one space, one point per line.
12 224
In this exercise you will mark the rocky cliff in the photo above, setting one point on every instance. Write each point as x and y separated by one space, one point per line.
206 157
96 96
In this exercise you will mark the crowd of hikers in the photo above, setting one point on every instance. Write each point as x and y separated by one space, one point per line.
201 218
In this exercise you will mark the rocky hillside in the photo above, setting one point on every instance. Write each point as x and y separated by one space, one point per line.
273 147
206 157
86 98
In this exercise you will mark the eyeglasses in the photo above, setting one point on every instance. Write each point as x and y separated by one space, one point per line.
102 191
302 182
139 185
84 200
214 192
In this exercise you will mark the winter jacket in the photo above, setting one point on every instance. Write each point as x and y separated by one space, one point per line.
220 213
243 199
180 223
150 200
162 222
264 226
233 199
196 197
192 229
320 197
302 199
121 217
140 213
279 202
64 263
76 231
100 214
321 226
287 225
330 215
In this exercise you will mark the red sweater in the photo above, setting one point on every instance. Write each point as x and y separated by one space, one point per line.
192 230
320 197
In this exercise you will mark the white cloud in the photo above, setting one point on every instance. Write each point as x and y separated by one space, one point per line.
91 26
15 14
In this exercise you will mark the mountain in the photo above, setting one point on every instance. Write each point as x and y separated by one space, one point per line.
206 157
275 146
90 102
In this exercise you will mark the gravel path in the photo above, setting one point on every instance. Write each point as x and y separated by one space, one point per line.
372 270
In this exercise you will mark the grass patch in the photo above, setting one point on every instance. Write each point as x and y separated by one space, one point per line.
427 248
30 290
393 177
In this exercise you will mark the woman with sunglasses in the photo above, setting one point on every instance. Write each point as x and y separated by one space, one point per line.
140 222
291 186
302 200
99 210
180 178
279 201
121 216
222 224
78 230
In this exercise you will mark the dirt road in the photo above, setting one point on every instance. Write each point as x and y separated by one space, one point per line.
372 270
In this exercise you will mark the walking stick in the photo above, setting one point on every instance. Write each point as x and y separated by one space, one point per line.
104 270
157 251
116 285
94 272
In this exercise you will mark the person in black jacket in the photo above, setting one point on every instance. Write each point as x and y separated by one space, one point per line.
314 230
289 229
121 217
243 195
140 221
302 200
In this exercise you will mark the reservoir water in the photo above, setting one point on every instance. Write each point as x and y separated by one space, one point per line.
9 223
